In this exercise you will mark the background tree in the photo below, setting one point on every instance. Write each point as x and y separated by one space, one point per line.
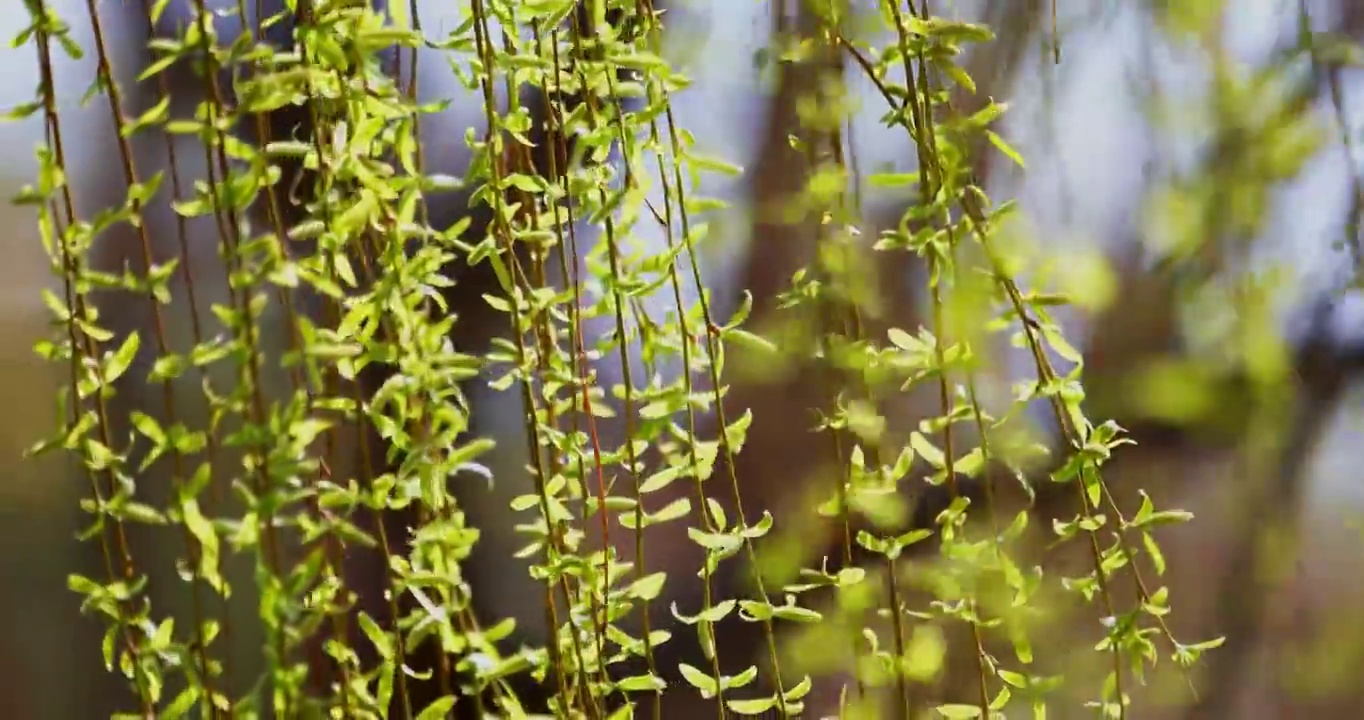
1210 208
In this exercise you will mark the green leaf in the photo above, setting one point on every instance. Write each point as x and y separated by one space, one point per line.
181 704
676 509
207 537
892 180
800 690
649 586
927 450
466 453
796 614
437 709
756 706
710 164
1004 147
123 358
747 341
377 637
641 683
143 513
755 610
699 680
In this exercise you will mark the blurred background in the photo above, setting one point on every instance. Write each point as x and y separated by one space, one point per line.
1084 125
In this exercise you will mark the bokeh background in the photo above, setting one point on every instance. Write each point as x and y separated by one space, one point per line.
1081 124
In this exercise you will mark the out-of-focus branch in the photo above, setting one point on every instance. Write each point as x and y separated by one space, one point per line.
994 67
776 457
1324 69
1271 503
780 244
